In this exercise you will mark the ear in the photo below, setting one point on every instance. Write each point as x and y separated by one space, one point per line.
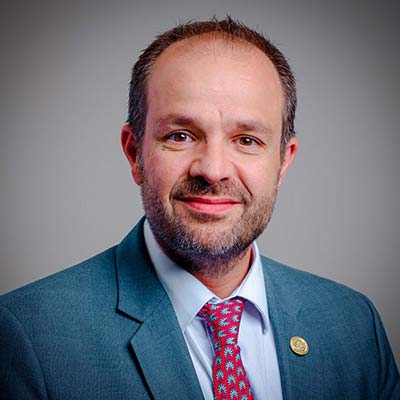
290 152
130 148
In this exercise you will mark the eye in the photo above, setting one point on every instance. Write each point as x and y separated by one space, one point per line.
247 141
179 137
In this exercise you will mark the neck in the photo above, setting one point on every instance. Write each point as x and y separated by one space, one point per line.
222 284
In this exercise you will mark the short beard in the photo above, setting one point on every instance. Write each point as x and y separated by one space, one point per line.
189 248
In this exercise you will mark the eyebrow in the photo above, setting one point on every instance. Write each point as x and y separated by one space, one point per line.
253 126
240 125
174 119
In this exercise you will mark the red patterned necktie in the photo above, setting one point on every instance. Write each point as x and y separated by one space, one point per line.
229 376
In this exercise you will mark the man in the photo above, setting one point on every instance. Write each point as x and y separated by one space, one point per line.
185 307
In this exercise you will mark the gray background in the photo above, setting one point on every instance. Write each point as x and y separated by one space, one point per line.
66 189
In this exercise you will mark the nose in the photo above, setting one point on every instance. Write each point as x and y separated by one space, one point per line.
211 162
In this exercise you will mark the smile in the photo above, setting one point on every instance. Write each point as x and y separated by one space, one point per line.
209 205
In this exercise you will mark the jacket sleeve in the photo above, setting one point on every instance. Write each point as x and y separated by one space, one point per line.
389 374
21 375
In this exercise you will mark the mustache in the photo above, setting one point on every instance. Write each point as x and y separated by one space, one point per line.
198 186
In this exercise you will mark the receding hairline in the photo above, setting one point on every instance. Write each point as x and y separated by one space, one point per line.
216 35
228 40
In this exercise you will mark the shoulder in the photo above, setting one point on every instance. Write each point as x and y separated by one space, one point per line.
304 283
57 314
315 296
70 286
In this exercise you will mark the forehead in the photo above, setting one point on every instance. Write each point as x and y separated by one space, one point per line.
222 74
222 49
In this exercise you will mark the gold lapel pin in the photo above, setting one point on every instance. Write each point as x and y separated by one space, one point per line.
299 346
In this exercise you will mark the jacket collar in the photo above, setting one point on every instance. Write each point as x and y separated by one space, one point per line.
139 290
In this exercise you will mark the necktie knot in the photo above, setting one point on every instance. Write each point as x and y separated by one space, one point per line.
224 320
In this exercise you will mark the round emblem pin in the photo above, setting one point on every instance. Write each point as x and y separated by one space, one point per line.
299 346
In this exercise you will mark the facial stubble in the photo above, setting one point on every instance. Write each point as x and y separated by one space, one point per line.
190 240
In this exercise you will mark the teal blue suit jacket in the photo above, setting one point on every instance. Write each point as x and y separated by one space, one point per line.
105 329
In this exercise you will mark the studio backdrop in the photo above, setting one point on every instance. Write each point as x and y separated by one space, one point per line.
66 189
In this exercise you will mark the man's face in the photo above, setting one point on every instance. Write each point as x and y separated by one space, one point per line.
209 165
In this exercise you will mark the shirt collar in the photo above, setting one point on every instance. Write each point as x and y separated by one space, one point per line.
188 294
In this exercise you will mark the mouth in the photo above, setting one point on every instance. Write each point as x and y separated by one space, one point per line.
209 205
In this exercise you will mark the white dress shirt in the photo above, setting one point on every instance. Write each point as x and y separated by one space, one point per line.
256 341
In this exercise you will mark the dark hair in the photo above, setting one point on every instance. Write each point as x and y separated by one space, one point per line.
227 29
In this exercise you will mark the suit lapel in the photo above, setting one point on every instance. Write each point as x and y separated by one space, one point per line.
301 376
158 343
164 358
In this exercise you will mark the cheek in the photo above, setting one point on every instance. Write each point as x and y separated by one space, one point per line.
260 179
162 171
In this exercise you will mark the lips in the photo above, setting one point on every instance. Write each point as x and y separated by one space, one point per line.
209 205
